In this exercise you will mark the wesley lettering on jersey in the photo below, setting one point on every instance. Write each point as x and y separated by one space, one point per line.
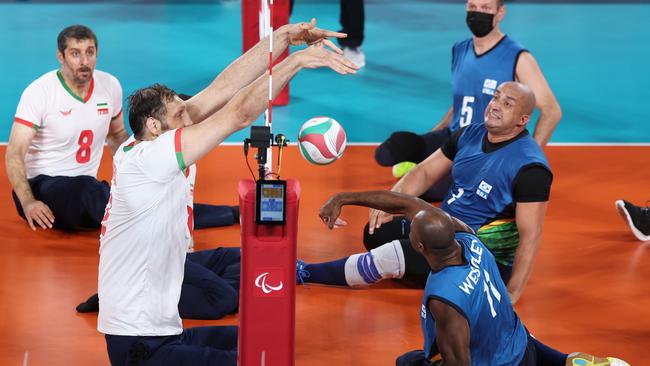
474 273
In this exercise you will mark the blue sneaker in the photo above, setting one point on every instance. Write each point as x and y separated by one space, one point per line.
301 272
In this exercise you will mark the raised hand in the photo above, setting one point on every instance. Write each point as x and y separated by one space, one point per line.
302 33
317 55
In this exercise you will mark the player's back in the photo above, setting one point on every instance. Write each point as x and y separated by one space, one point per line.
476 291
144 239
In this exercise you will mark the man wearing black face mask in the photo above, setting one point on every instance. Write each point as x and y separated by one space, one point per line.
479 65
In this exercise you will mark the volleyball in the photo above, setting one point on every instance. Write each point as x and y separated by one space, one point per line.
321 140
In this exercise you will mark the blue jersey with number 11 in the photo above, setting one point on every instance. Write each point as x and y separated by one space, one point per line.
476 291
475 78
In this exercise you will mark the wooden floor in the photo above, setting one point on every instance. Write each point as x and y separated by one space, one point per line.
590 290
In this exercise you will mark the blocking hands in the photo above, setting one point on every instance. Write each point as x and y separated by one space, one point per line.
321 55
321 51
307 33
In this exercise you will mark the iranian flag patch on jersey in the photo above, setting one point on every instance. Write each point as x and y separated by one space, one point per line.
102 108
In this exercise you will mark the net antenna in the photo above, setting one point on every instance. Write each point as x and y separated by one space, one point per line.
266 30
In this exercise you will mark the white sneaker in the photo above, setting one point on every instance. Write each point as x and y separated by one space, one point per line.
355 55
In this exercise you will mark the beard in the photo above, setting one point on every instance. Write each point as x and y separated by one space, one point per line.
82 75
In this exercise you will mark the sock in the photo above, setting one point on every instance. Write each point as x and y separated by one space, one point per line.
548 356
328 273
89 306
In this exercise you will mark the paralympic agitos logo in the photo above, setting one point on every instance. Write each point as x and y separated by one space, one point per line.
266 285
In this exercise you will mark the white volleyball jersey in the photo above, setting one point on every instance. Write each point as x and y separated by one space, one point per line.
190 174
70 131
144 239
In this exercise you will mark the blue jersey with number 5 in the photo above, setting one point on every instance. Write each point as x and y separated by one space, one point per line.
476 291
475 78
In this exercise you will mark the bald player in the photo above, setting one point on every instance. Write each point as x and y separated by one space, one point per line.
501 185
466 314
478 65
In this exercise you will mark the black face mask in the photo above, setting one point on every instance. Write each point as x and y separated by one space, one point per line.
480 23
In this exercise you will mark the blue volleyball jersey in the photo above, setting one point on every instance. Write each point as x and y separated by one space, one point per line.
476 291
482 188
475 78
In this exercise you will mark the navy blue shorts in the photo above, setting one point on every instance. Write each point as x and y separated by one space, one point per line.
537 354
77 202
199 346
211 284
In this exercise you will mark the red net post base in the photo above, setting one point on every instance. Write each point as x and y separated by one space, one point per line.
267 296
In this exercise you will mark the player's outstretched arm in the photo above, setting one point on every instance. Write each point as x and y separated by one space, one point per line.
251 101
452 334
36 212
529 73
248 67
414 183
530 222
387 201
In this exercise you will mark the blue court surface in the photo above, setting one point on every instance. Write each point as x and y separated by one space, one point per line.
594 56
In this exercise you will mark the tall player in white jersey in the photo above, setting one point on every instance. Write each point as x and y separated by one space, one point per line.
56 143
143 242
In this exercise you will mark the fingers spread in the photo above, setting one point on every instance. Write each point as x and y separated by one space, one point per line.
328 34
332 46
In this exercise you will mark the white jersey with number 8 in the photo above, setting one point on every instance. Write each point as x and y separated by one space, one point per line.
70 131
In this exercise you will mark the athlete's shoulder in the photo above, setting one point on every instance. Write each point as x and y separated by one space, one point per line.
513 44
466 238
530 146
123 149
104 78
472 132
42 83
462 45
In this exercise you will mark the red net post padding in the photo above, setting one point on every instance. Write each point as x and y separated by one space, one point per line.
267 296
251 15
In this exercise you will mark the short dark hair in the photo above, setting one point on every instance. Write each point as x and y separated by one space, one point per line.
78 32
501 3
148 102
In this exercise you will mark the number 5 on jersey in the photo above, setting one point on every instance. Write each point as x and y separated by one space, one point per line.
466 112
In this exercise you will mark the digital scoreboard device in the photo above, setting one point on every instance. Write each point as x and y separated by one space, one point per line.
271 202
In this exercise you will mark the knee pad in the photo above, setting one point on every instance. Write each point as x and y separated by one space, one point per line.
398 228
386 261
401 146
